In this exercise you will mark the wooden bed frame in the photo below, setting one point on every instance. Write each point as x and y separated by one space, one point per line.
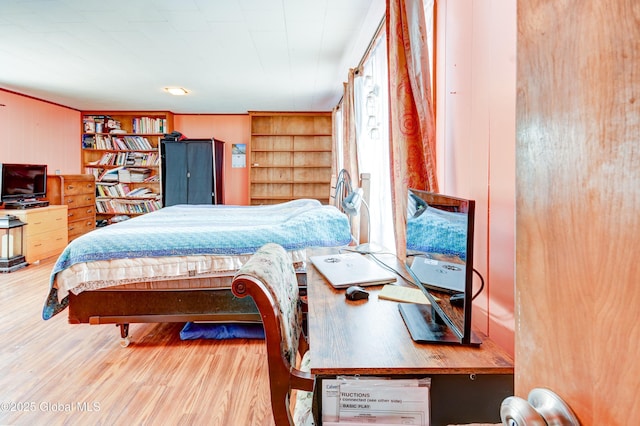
124 307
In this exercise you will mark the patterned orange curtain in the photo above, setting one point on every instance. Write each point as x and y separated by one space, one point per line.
411 113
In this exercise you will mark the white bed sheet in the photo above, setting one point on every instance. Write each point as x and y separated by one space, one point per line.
111 273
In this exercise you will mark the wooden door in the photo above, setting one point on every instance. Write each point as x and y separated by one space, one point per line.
578 205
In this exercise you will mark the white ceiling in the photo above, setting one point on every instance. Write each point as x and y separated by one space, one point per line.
233 56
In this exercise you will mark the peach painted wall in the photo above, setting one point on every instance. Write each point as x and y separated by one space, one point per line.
476 71
34 131
233 129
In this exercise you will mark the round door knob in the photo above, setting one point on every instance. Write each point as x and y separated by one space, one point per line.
516 411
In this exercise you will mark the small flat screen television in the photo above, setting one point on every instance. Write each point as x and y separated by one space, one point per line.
440 261
22 182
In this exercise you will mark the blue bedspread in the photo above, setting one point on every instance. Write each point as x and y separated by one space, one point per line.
206 230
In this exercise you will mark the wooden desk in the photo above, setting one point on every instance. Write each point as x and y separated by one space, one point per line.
369 338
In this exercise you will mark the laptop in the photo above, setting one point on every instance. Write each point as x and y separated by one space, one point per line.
347 269
439 275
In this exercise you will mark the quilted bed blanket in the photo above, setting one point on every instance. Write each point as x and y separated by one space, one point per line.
188 230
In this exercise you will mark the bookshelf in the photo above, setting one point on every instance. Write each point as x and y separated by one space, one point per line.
120 149
291 156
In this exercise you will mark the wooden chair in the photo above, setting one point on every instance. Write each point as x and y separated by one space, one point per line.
269 278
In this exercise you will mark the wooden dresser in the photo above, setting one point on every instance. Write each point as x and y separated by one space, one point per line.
78 193
45 232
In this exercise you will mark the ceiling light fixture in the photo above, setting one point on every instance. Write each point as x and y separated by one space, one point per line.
177 91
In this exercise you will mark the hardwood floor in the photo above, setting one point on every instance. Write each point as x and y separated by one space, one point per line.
55 373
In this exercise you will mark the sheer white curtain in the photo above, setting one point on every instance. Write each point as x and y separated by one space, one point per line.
372 136
339 138
429 18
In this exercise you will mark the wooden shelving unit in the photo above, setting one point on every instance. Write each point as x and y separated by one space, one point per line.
121 149
290 156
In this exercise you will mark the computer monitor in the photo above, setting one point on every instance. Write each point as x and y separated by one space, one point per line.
440 232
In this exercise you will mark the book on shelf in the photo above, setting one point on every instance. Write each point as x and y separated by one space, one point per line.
141 142
109 175
124 175
111 125
120 143
103 142
142 193
128 158
139 174
112 142
88 141
95 171
108 158
130 143
88 124
142 159
100 124
150 125
112 189
122 158
128 206
94 123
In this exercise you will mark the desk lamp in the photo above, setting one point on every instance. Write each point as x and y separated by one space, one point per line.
351 203
351 206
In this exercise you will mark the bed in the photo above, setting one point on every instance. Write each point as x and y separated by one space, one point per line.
176 264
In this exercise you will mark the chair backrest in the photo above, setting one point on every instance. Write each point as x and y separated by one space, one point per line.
269 278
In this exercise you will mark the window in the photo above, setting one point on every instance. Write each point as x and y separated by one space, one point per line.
372 129
372 136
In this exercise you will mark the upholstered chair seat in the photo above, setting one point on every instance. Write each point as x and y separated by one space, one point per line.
269 278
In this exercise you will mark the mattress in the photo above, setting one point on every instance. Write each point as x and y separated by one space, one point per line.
187 241
175 272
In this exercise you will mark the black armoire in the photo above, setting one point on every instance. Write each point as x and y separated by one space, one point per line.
192 171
